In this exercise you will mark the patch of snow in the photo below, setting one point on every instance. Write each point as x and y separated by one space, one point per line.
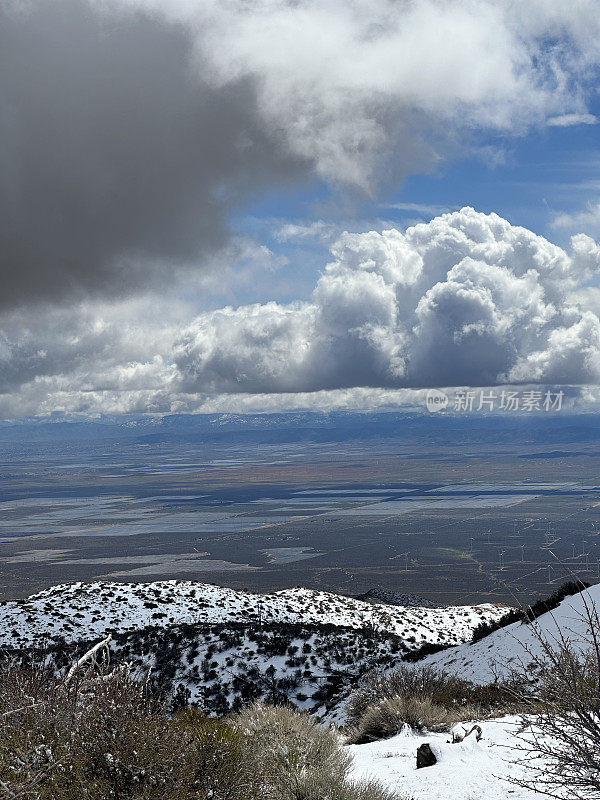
470 770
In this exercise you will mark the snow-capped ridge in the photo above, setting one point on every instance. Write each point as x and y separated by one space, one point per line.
86 610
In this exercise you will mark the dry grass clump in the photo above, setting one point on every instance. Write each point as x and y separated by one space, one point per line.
422 698
324 789
299 759
292 747
387 718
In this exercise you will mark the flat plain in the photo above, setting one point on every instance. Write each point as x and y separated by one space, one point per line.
442 517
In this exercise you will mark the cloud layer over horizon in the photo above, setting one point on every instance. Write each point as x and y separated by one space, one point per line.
465 300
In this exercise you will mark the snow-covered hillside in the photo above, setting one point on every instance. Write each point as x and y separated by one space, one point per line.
498 653
87 610
221 667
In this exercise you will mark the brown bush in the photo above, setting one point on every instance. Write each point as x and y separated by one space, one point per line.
100 735
300 759
292 748
387 718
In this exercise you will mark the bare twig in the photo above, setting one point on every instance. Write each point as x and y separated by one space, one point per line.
91 656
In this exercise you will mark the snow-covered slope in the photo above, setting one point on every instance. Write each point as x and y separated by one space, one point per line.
514 645
470 770
87 610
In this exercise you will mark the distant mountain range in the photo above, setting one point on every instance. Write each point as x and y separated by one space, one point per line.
338 426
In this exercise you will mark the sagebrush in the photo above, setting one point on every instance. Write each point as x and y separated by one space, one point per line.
104 735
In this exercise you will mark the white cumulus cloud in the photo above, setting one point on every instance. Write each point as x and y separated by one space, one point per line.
466 299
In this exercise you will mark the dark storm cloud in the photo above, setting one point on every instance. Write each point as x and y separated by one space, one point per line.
116 156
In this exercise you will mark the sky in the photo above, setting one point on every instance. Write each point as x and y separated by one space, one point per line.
230 206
